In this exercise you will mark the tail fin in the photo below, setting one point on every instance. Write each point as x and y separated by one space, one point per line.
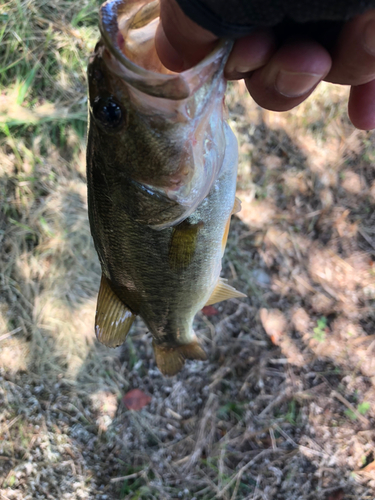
170 360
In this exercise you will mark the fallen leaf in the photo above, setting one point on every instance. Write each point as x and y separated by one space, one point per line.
210 311
369 467
136 399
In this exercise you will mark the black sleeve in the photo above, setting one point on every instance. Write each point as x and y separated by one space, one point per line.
235 18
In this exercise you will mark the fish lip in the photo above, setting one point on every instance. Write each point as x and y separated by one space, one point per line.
172 86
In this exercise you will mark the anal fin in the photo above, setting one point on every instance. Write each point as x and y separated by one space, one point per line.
170 360
113 318
223 291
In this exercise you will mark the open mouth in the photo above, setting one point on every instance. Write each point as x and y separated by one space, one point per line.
137 42
128 30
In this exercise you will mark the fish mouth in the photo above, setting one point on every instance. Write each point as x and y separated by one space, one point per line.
128 29
192 101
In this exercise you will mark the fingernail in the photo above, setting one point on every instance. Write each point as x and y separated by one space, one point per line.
291 84
369 37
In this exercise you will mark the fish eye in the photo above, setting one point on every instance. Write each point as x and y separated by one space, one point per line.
108 112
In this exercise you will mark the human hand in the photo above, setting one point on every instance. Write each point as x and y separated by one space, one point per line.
280 78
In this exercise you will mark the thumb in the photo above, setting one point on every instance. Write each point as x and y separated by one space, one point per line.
179 41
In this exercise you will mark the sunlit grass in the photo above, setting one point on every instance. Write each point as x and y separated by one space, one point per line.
44 49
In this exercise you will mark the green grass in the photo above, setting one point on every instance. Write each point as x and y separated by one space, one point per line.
232 409
44 51
44 48
362 409
320 329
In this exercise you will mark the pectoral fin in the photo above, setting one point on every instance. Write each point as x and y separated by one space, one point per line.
223 291
236 208
170 360
183 244
113 319
225 236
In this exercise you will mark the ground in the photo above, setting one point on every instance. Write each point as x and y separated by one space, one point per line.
284 408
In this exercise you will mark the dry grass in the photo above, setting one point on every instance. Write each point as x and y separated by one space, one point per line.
285 406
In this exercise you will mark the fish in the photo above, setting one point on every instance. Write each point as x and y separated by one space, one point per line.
161 175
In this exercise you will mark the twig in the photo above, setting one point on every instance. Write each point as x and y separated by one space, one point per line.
201 440
182 461
129 476
236 488
209 481
232 270
30 445
173 414
313 452
219 375
221 462
278 361
9 334
273 440
311 215
304 283
286 436
257 487
345 402
245 467
280 399
295 246
12 422
361 340
366 237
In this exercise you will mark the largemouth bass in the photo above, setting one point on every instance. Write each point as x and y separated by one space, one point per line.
161 172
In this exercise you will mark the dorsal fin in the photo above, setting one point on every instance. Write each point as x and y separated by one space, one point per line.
223 291
113 319
170 360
